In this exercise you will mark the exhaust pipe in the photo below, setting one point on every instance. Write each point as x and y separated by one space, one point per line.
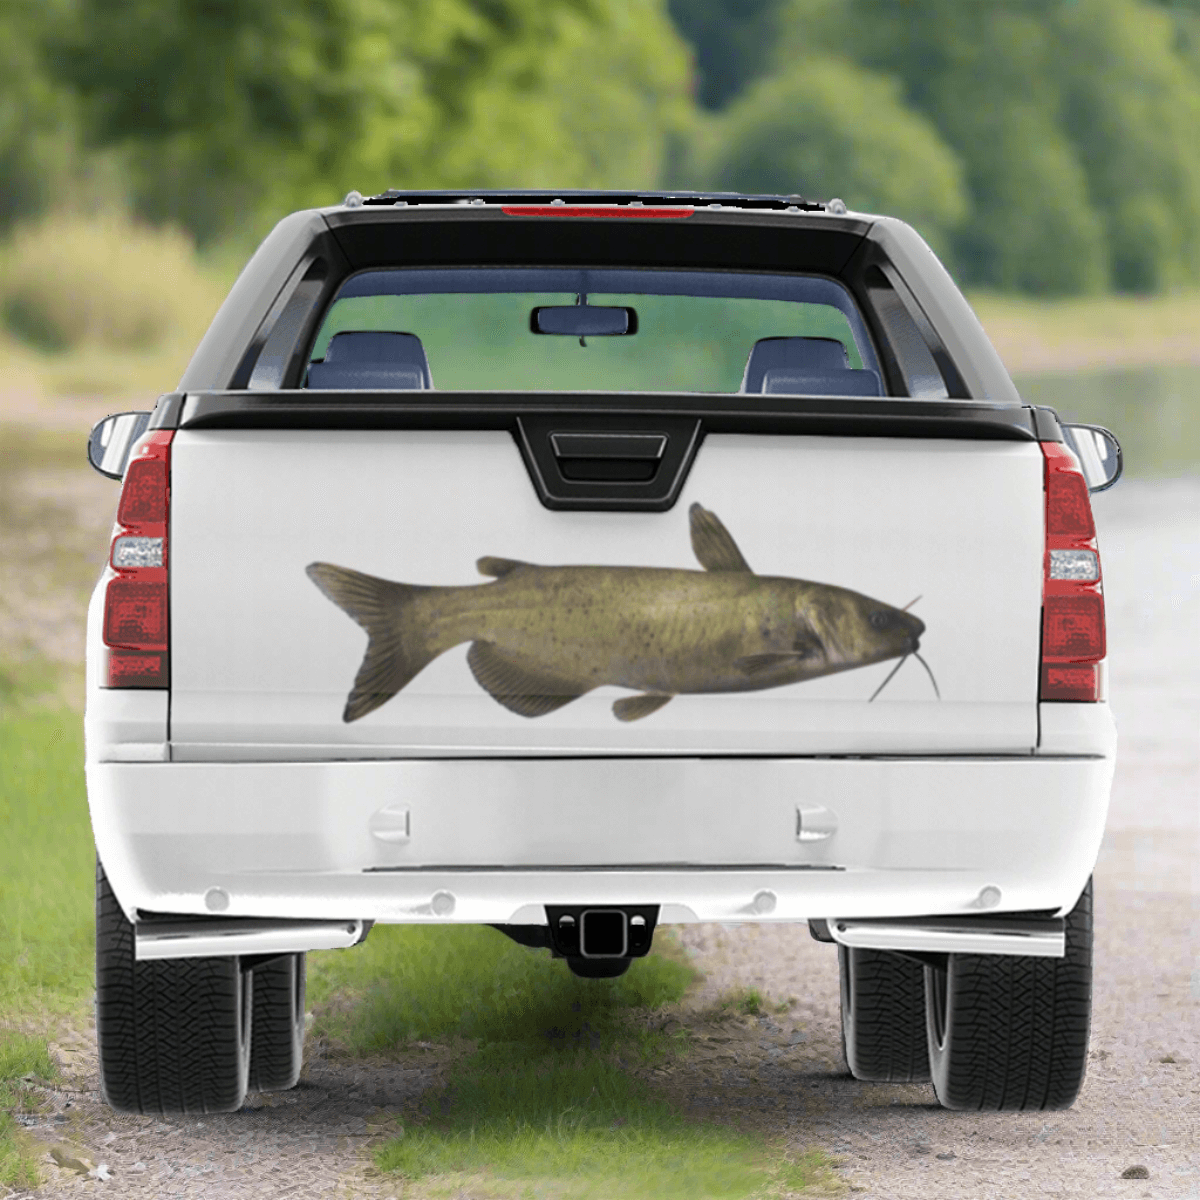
203 938
1031 938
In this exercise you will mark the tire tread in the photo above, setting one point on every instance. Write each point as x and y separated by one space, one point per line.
169 1031
884 1030
1017 1027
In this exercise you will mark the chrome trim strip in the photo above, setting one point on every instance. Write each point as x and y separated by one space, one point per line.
951 935
218 939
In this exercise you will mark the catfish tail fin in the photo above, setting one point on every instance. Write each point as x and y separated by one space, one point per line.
397 648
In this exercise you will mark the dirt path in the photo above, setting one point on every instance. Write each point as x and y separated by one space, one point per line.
784 1074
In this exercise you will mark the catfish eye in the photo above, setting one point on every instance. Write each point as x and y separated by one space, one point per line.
880 620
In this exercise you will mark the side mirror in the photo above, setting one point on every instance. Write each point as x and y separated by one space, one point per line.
1099 454
112 439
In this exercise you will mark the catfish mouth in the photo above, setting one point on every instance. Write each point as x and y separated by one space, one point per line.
914 627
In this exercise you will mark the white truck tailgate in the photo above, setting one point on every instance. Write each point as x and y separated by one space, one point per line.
263 662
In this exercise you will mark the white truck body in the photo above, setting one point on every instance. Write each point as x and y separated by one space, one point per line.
239 791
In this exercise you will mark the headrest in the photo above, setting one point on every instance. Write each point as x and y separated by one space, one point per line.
370 359
829 383
806 366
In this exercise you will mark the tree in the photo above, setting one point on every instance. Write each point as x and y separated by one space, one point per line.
1075 121
829 128
1131 106
229 106
37 130
732 42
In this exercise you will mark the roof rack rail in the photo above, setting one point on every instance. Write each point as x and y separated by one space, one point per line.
794 203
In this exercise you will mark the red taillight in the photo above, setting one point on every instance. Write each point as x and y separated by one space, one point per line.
1068 509
1073 628
593 210
135 614
1073 636
144 495
136 626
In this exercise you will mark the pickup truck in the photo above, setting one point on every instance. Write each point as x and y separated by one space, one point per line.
576 564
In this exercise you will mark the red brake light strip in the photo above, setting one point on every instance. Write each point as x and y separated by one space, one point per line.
592 210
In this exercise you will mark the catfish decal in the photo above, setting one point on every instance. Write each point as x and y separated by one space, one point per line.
544 636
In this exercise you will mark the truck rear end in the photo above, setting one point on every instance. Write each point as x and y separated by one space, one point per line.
578 568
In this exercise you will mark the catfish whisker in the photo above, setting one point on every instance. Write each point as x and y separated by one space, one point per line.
910 604
928 672
888 679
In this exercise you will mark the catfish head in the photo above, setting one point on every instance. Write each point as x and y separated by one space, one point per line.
855 630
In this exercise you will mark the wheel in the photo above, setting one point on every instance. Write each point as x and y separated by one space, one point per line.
1008 1033
277 1043
173 1034
883 1016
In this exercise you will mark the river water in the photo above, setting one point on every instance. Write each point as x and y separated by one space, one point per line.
1154 411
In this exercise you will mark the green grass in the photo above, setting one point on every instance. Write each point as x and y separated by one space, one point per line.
47 859
25 448
46 866
543 1097
21 1055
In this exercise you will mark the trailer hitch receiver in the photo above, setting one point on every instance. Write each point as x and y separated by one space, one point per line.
601 931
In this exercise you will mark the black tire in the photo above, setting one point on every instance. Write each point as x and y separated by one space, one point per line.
1010 1034
883 1016
277 1043
173 1034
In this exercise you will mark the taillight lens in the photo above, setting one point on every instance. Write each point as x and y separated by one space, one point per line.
1073 636
136 625
144 494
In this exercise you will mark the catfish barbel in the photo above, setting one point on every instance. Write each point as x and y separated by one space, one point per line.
544 636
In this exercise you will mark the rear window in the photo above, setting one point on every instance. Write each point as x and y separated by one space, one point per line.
695 332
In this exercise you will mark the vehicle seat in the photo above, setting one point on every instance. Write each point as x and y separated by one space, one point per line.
806 366
372 360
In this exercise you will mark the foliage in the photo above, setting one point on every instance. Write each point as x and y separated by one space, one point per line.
69 281
35 116
731 41
1131 106
830 128
313 97
1074 121
1046 146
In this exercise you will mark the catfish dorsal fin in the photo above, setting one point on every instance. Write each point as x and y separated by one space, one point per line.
715 548
498 567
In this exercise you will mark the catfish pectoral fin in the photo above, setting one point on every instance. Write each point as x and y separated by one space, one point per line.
527 691
759 664
397 648
634 708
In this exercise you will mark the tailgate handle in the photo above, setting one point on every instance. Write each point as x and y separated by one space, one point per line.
616 461
608 445
609 457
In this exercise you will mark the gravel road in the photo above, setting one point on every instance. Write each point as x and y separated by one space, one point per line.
784 1074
